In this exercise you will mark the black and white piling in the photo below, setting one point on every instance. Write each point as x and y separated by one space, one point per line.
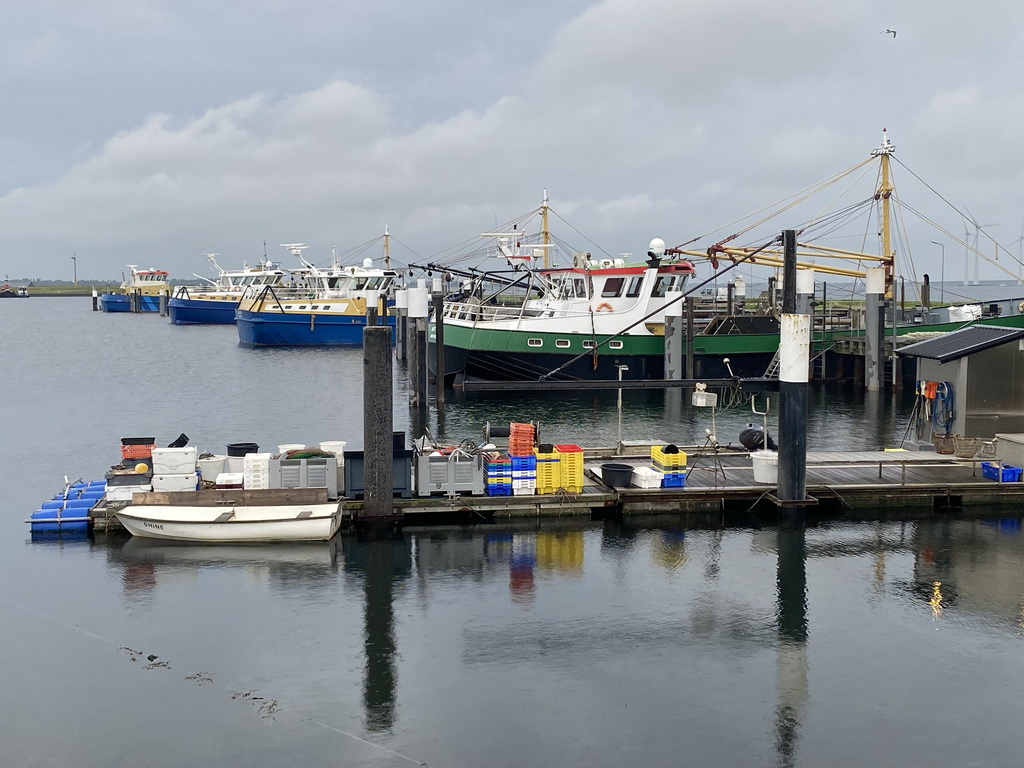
378 456
95 300
874 328
401 324
794 370
419 309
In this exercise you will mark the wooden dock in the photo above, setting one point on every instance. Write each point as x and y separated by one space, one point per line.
720 483
723 482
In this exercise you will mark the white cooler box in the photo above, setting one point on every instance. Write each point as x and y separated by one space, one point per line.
124 492
174 461
176 482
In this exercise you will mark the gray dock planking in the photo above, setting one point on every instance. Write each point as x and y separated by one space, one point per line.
724 481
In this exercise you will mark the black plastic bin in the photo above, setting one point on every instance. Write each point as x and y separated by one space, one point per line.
617 475
240 449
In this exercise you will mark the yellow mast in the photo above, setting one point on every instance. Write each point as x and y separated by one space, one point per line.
883 194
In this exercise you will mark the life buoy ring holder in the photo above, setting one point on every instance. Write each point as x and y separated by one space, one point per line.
604 306
1020 307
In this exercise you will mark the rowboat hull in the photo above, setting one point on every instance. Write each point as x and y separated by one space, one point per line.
291 522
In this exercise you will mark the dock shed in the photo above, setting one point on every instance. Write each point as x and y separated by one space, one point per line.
978 373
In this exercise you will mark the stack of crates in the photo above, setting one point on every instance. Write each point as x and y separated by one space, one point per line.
671 462
549 477
498 475
524 463
524 475
256 471
570 467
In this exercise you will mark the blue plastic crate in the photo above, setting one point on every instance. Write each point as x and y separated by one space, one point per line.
673 480
499 490
524 463
991 470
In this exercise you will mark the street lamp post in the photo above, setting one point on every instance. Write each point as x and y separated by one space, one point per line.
942 276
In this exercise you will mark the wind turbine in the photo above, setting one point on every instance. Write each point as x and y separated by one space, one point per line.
977 232
1019 242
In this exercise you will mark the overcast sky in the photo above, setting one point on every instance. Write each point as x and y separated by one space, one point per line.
149 131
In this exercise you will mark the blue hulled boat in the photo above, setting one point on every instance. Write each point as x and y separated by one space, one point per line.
216 302
141 292
330 310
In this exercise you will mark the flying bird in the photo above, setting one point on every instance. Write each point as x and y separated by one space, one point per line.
889 32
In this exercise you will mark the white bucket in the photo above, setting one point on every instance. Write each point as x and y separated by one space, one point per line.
766 467
210 467
290 447
334 446
234 464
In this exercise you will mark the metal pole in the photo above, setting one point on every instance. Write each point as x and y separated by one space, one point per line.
438 298
618 442
690 373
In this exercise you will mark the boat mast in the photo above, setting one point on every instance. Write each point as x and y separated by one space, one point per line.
884 194
544 231
387 248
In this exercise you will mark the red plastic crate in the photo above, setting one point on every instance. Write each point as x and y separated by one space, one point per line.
137 451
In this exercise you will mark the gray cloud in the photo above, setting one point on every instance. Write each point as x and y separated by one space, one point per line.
152 132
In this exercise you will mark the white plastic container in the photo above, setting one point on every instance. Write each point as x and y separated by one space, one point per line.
176 482
646 477
234 464
336 447
766 467
124 492
174 461
284 448
211 466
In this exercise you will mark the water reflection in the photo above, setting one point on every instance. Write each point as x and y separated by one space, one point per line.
381 563
282 565
792 645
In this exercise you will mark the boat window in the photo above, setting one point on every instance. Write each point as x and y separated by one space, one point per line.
562 343
612 287
661 286
302 306
589 343
614 345
534 343
634 286
581 288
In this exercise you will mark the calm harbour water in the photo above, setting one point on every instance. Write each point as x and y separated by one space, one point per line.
555 643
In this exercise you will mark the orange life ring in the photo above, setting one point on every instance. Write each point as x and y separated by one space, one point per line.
604 306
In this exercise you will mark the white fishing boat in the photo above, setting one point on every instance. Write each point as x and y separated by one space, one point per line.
232 523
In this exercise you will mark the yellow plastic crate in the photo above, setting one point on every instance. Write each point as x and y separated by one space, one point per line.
664 460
